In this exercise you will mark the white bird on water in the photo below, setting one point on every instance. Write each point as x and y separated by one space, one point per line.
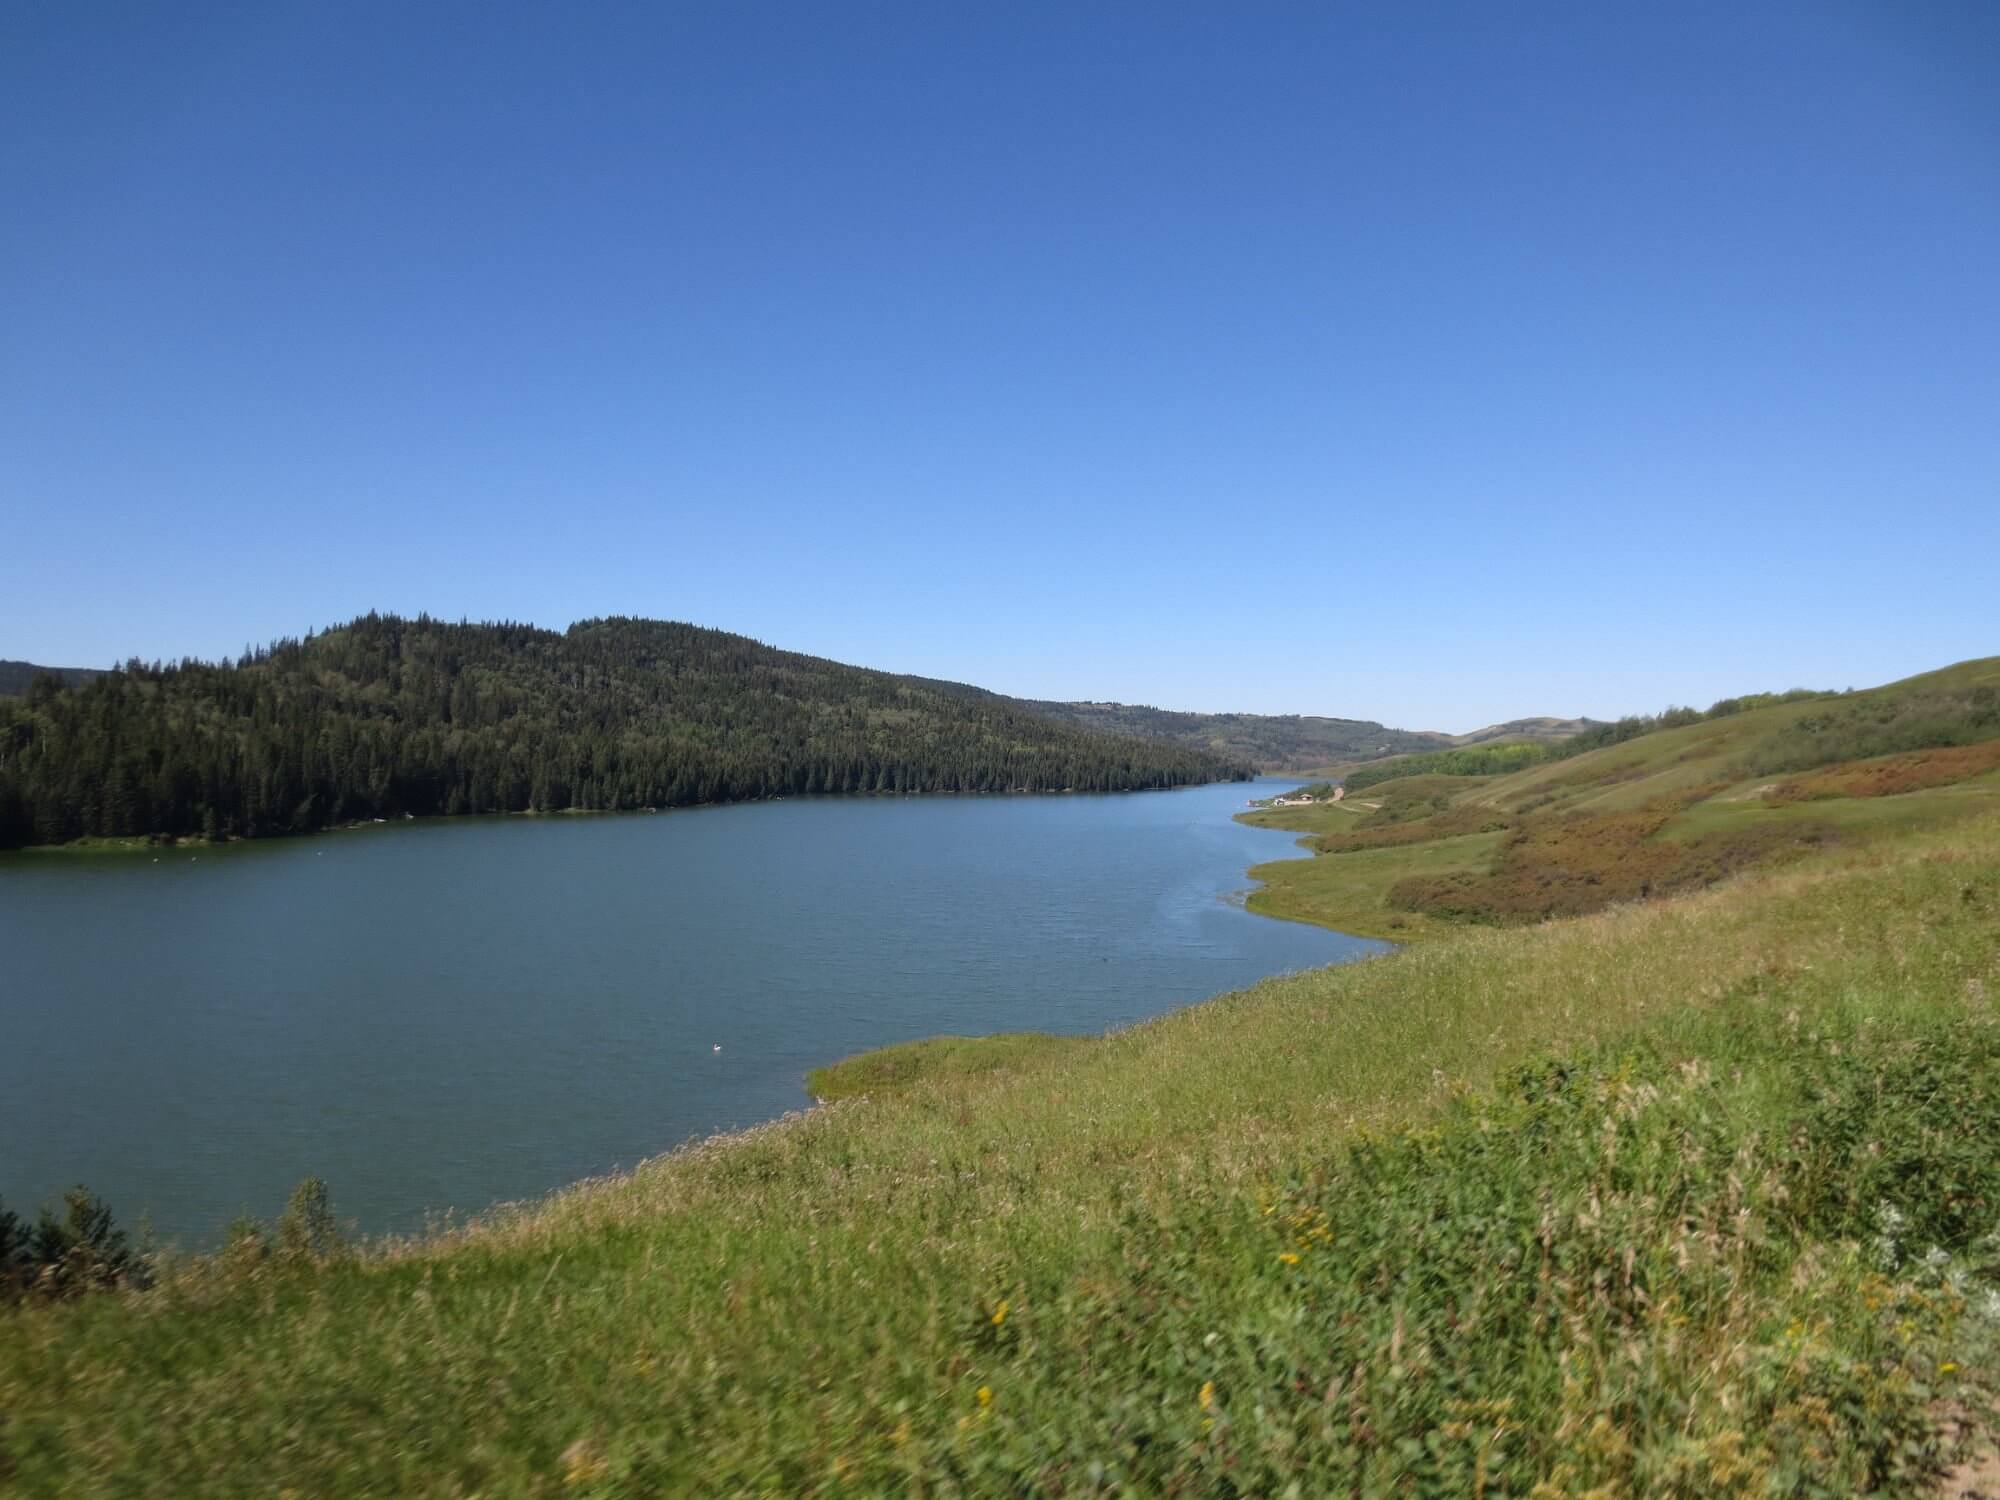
718 1047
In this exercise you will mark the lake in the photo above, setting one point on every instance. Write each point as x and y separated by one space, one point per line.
443 1015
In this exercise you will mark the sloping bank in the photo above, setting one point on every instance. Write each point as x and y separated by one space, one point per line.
1688 1198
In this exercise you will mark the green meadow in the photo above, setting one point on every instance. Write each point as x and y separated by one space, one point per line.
1408 856
1690 1195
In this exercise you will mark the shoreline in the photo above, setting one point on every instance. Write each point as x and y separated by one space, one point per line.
1213 801
138 843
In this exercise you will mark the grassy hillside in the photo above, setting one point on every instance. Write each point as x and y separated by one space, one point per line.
1541 730
1295 742
1693 1197
1695 1192
1669 810
383 717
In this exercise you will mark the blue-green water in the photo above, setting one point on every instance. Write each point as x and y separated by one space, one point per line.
444 1015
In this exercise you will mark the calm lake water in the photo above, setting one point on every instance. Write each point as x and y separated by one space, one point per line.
444 1015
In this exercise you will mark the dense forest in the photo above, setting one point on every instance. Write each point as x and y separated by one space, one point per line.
387 716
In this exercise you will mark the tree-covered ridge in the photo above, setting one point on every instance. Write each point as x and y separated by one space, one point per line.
17 676
388 716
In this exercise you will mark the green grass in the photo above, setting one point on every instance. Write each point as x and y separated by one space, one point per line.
1349 892
1396 860
1587 1207
934 1059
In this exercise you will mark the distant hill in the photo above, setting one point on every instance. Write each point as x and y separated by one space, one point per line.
16 675
1539 730
385 716
1290 742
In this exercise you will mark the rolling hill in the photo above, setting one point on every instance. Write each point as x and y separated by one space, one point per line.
1691 1194
1288 742
387 717
1270 742
1658 810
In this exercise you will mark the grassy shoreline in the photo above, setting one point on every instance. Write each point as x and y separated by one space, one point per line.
817 1307
1667 1162
148 843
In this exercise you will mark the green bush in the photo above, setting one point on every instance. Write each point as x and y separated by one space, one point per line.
69 1251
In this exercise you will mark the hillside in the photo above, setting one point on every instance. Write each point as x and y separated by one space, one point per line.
1291 742
1270 742
1659 806
1691 1198
1542 729
385 717
16 675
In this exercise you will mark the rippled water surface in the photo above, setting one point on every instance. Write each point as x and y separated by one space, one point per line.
443 1015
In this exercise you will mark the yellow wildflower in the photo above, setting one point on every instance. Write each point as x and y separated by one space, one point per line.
1207 1396
1947 1368
1000 1313
986 1395
1288 1257
582 1464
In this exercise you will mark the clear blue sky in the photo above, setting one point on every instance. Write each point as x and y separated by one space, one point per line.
1430 363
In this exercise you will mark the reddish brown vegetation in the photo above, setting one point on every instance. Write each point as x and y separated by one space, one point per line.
1888 775
1443 825
1566 866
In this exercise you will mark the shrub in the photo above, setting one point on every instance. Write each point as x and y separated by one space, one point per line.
68 1252
306 1229
1890 775
1877 725
1583 862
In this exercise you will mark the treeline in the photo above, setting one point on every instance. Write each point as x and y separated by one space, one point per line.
388 716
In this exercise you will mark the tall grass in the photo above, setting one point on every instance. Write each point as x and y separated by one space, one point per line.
1589 1207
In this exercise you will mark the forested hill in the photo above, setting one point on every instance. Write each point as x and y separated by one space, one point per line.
387 716
15 676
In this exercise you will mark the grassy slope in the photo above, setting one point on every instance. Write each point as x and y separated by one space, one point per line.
935 1060
1708 761
1267 1238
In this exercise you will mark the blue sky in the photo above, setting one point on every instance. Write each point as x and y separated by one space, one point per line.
1430 363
